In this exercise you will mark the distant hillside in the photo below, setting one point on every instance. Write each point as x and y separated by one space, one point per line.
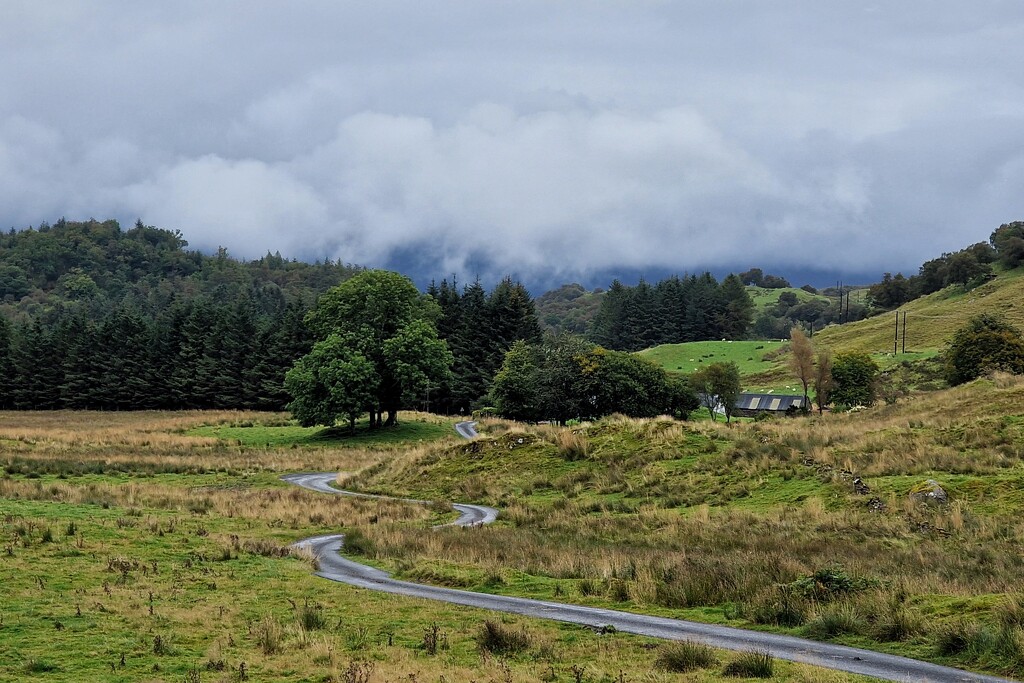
931 322
766 299
932 319
570 308
92 265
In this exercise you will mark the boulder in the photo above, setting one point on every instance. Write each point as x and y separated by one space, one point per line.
929 492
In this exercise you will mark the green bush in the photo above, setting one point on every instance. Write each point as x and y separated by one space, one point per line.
985 344
830 583
854 376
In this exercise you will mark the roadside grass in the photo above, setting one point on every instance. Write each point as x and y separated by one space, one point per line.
108 595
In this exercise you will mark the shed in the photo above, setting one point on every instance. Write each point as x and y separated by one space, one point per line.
749 405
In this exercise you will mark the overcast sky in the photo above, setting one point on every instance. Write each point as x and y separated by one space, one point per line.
553 139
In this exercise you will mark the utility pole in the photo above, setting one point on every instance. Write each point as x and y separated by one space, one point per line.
839 286
896 340
904 331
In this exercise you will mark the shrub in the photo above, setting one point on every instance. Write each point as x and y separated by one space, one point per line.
685 656
834 621
958 637
572 445
985 344
498 639
357 543
755 664
854 377
830 583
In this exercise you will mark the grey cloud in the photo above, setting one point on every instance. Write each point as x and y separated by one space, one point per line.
529 136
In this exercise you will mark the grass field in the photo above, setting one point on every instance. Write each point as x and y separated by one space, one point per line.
754 524
420 428
131 551
134 548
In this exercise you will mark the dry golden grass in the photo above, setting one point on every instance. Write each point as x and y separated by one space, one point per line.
287 507
70 442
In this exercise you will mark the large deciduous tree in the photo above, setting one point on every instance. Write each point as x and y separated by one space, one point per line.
332 381
378 320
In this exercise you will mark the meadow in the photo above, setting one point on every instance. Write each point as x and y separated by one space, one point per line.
809 526
133 549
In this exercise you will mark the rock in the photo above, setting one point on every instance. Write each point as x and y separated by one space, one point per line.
859 487
929 492
875 504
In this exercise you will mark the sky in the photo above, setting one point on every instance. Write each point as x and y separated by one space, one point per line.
554 140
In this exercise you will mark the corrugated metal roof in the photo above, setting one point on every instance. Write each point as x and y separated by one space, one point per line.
773 402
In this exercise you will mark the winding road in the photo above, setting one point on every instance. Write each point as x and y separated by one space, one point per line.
853 660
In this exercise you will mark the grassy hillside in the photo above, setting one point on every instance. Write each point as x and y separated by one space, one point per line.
932 320
767 298
807 526
931 323
752 357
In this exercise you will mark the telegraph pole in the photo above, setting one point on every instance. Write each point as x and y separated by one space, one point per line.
904 331
896 340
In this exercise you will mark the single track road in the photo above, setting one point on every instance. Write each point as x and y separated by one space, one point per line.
331 565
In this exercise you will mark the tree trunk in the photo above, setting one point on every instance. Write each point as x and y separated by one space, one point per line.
392 420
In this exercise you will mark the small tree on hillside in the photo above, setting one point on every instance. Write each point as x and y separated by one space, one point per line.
855 376
985 344
717 384
801 359
823 379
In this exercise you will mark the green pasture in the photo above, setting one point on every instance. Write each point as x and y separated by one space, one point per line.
408 430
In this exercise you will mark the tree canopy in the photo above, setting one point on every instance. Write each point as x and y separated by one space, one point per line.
692 308
376 340
854 379
985 344
717 385
566 377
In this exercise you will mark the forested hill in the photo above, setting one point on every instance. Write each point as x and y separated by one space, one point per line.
93 316
93 265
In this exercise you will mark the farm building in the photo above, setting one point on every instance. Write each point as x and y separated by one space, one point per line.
749 405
